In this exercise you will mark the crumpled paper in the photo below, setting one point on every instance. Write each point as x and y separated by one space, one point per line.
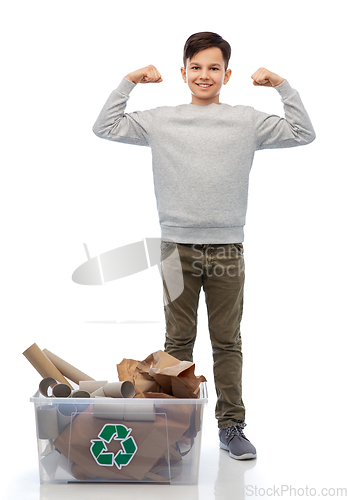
161 375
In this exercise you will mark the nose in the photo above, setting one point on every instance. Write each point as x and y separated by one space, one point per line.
204 75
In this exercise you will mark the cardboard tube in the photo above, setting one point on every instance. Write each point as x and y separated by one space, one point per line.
123 389
61 391
91 385
47 422
43 364
99 393
112 411
45 384
140 412
80 394
66 369
144 412
65 415
58 390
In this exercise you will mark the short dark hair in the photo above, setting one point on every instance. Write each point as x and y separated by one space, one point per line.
204 40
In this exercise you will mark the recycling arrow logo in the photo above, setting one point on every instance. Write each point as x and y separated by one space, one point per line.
100 451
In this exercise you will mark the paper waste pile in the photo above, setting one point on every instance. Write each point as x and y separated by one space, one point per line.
121 430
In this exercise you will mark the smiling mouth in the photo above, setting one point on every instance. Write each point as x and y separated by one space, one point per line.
204 85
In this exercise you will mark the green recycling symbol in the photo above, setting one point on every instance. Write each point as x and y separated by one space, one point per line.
100 451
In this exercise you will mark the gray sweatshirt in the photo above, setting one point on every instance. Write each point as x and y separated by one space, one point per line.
202 156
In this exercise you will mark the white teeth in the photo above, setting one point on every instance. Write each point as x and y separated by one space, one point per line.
203 85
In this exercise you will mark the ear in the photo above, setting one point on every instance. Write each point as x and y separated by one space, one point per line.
183 73
227 76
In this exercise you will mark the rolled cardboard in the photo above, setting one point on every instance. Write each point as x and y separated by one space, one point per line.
43 364
61 391
91 385
58 390
139 412
112 411
99 393
67 369
124 389
47 422
131 412
65 414
45 384
80 394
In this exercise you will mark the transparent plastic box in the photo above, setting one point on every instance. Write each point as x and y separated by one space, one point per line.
119 440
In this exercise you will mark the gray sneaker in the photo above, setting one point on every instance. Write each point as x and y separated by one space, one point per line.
232 439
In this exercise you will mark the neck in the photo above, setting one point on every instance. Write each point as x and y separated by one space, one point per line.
205 102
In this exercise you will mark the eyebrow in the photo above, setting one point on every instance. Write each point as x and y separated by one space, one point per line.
197 64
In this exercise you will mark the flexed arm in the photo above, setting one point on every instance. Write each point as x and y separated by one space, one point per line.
116 125
272 131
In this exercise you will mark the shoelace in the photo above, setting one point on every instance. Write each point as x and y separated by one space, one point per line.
235 430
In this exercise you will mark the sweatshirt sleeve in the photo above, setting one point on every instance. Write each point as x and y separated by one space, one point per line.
296 129
114 124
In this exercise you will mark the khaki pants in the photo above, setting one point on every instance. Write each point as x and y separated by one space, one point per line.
219 268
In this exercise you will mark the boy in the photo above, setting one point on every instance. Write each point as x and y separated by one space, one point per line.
202 154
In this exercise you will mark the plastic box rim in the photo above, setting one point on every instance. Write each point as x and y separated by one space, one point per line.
39 398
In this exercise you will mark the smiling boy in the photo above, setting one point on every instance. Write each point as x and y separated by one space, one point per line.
202 154
205 74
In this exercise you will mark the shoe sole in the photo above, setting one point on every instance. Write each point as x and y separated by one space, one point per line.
246 456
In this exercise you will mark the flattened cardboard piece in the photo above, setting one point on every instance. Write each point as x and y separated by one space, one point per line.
152 440
84 474
154 395
160 472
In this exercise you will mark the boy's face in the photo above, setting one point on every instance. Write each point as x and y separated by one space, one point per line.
205 74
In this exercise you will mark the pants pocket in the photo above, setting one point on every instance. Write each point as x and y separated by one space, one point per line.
166 245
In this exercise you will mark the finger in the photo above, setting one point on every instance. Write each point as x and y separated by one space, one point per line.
156 74
260 75
154 77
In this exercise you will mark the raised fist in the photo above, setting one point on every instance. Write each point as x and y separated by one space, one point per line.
149 74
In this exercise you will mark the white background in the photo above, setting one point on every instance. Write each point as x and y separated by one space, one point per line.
61 186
